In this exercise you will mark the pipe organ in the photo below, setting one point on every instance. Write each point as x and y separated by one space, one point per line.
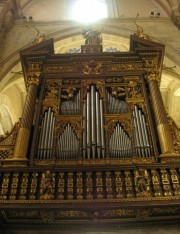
100 150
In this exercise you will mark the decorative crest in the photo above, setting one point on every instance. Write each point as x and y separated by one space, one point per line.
140 30
39 37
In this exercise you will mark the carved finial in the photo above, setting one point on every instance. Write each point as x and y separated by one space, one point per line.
140 30
39 37
92 37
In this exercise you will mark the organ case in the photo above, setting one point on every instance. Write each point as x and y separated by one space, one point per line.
94 119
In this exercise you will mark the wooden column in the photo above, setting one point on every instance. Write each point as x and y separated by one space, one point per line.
22 140
163 128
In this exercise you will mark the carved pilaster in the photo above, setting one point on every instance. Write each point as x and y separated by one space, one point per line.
157 190
163 128
61 186
22 140
70 186
89 185
79 186
119 185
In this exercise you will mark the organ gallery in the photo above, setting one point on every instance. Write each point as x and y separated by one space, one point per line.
94 146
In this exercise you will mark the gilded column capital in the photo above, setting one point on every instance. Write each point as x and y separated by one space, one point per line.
34 79
153 76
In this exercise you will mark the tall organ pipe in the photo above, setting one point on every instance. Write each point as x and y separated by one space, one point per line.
40 147
146 135
102 128
46 135
88 125
141 136
98 127
85 128
49 141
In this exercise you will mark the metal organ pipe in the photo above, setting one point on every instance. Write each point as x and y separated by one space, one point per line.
102 128
146 136
88 118
40 146
93 120
141 137
85 128
98 124
45 146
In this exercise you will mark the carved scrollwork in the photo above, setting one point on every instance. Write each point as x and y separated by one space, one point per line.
92 67
115 80
153 76
143 214
53 104
70 81
51 90
99 85
74 124
119 213
125 123
33 78
10 138
175 132
142 182
5 185
125 66
68 93
71 213
118 92
47 216
134 89
141 106
33 187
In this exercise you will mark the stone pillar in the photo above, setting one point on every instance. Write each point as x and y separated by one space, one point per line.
162 123
22 140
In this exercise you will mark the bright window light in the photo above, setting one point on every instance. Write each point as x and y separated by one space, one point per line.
88 11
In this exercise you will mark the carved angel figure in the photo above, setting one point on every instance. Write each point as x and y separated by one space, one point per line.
47 185
142 183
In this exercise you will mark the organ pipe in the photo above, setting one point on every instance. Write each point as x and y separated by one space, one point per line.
45 146
85 128
102 128
142 144
88 118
